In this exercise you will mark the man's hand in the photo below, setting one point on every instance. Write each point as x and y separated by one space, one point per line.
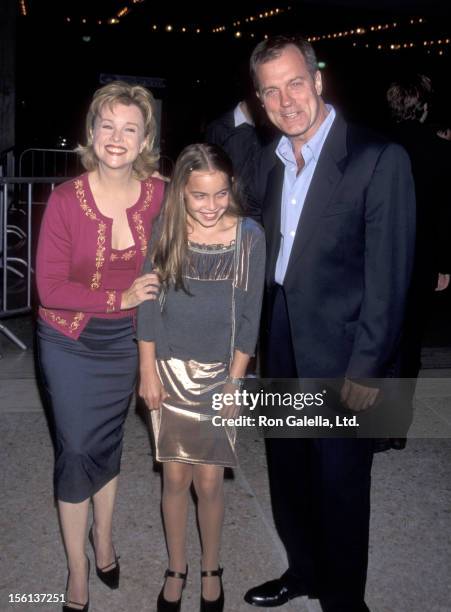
442 282
357 397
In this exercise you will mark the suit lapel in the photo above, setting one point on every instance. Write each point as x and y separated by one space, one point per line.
271 216
325 179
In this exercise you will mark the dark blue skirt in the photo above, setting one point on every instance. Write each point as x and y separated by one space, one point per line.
89 383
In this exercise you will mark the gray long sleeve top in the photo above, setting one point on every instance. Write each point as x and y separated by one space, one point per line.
199 326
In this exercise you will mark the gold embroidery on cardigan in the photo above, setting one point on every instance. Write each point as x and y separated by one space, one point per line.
110 301
79 190
137 218
123 256
55 318
100 256
101 232
76 321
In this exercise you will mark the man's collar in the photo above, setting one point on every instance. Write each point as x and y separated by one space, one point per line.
311 148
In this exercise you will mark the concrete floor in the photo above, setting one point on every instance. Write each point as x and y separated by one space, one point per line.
410 549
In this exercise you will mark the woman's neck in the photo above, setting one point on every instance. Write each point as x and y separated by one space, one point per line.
113 180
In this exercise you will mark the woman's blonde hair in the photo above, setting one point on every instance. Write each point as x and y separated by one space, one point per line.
170 250
118 92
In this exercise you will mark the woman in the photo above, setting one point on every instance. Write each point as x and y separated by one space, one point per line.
211 265
91 247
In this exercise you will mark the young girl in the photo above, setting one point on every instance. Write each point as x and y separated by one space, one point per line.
194 343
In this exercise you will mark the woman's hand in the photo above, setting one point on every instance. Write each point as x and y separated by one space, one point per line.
151 390
145 287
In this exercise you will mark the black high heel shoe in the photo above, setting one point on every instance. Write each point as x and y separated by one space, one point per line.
163 605
85 608
215 605
109 577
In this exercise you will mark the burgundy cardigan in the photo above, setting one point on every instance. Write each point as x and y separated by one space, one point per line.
74 245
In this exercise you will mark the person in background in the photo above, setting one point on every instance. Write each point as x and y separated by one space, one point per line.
236 133
409 102
338 208
211 263
92 243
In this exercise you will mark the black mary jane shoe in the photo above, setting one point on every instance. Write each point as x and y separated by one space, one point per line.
163 605
212 605
109 577
67 607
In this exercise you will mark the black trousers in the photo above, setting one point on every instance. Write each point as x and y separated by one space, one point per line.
320 493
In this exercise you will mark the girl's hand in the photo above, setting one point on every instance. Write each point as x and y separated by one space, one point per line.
230 409
152 390
145 287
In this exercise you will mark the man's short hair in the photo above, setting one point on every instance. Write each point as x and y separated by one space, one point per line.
271 48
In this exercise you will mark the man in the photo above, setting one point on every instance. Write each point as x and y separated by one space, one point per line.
236 133
409 99
338 208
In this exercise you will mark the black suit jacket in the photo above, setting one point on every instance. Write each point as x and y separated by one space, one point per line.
430 157
241 143
351 262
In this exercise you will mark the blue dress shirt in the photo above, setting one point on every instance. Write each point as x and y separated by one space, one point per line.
295 187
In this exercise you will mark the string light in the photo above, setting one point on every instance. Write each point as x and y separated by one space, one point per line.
355 32
23 8
267 14
396 46
359 31
251 18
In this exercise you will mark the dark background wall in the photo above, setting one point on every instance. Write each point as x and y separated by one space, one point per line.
59 62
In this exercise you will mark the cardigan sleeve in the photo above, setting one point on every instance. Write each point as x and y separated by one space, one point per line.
55 287
248 324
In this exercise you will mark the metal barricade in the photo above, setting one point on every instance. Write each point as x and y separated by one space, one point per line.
16 247
49 162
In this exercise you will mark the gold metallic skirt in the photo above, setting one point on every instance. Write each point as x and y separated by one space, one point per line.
183 427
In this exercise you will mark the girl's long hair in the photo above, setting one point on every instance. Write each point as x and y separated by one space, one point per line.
170 250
